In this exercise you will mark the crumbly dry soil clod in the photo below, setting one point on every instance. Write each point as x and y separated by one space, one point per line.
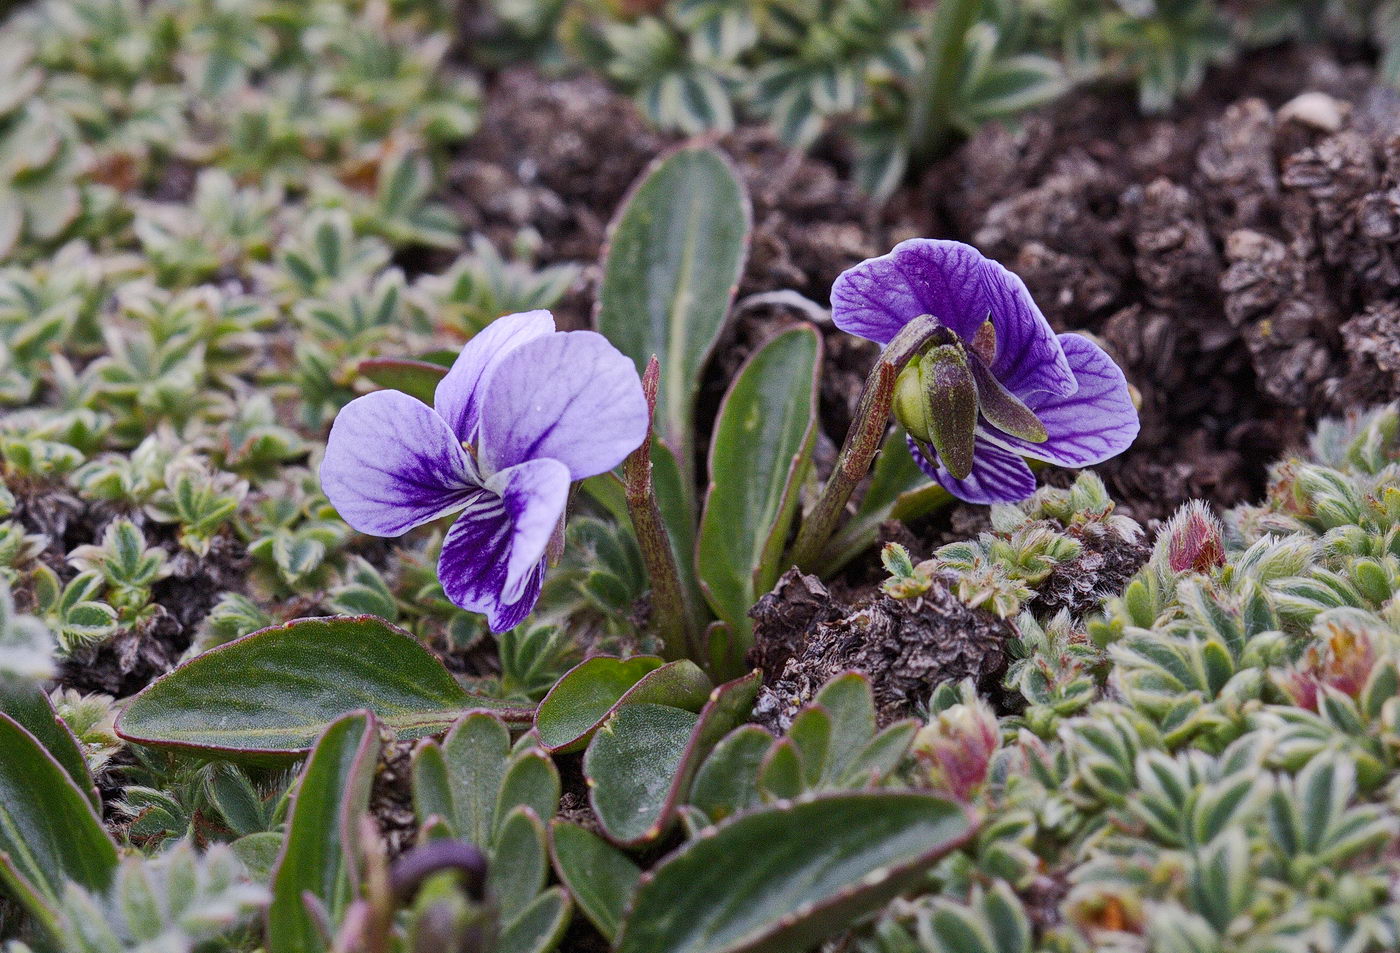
906 647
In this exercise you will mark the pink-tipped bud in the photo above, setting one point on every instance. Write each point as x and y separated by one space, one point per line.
956 747
1193 540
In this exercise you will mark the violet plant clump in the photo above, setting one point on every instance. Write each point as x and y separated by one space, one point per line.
995 384
524 412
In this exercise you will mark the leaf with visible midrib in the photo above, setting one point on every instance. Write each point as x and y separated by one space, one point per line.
319 857
49 833
275 691
760 454
842 856
674 256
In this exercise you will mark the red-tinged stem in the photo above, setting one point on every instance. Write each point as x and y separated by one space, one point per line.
670 613
862 440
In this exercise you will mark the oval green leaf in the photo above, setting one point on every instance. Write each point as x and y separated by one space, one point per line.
871 847
640 763
760 454
598 876
272 693
415 378
591 691
674 256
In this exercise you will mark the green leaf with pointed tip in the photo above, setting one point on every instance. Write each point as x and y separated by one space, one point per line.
850 703
49 833
415 378
272 693
674 256
811 732
727 782
519 864
640 764
759 456
871 847
598 876
28 704
594 689
781 776
539 927
320 856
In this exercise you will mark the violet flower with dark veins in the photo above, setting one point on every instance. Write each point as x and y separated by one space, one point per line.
523 412
999 386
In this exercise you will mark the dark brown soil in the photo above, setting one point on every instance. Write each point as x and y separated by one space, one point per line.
906 647
1240 256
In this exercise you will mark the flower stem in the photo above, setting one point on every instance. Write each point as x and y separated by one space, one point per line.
862 440
671 615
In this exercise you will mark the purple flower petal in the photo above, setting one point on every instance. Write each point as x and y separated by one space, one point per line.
998 476
956 284
458 395
535 493
492 560
570 397
392 464
1094 423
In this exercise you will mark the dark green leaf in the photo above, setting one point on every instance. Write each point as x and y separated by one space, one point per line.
273 692
28 704
599 877
640 764
592 690
49 833
760 454
731 891
415 378
320 856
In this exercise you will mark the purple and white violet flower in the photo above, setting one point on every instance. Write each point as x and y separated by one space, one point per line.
1000 386
524 411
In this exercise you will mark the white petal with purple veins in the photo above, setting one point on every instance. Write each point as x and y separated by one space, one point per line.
458 395
392 464
570 397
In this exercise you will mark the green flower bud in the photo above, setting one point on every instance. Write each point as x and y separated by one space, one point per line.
935 399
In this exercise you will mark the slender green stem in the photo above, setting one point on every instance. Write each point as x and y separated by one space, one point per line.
671 614
931 112
862 440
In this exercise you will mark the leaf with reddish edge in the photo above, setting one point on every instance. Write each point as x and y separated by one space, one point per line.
872 846
592 691
49 833
640 764
320 859
727 781
599 877
28 704
269 695
415 378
